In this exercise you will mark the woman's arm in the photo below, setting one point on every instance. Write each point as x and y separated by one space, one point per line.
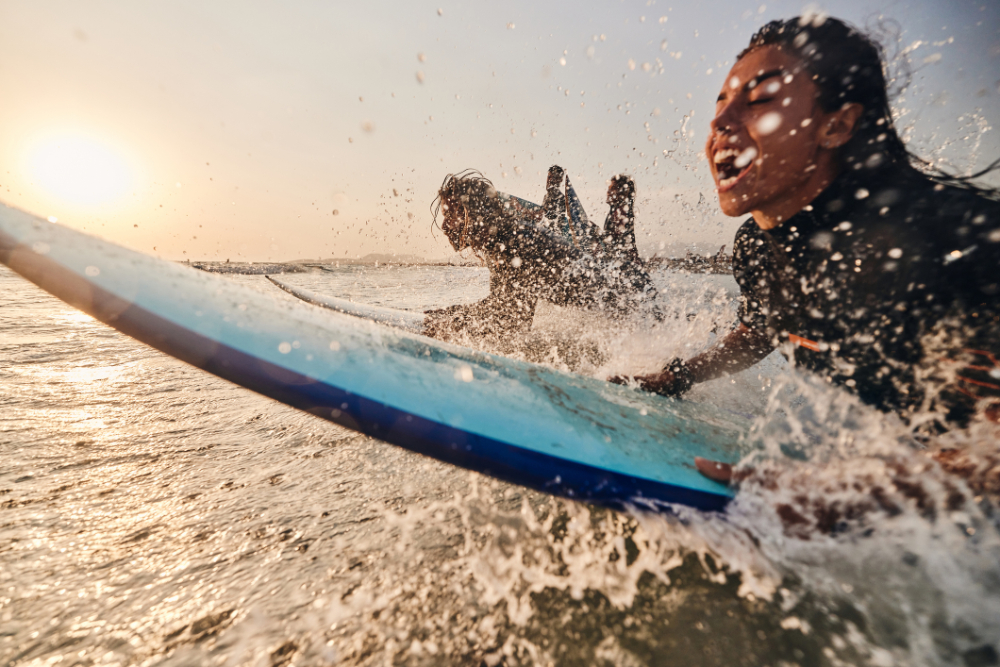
740 349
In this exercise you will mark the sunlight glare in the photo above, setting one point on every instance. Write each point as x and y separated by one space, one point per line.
80 170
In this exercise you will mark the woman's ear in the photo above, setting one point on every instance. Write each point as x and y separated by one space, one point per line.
838 127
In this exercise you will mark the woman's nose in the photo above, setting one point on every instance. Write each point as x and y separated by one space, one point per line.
724 120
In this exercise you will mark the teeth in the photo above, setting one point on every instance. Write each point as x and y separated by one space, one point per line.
725 154
724 182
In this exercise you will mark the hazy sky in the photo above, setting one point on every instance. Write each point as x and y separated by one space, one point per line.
214 130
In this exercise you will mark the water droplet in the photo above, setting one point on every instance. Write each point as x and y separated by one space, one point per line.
464 373
769 122
334 345
744 158
284 347
420 77
53 218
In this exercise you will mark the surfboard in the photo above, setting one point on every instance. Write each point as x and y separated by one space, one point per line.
563 434
401 319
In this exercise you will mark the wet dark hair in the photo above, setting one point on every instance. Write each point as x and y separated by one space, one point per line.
480 199
848 66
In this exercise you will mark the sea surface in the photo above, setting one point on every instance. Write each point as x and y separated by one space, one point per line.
152 514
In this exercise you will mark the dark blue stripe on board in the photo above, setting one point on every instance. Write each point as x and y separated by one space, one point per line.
498 459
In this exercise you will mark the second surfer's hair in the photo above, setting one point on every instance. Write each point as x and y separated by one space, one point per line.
481 201
847 67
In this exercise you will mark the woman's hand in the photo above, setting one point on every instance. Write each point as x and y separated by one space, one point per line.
671 381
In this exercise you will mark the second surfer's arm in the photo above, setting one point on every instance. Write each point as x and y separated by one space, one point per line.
493 316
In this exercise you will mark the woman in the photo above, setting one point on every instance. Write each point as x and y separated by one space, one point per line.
857 265
550 252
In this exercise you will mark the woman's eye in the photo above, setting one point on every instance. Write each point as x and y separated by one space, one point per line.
762 100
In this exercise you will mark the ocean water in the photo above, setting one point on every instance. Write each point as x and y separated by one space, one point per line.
151 514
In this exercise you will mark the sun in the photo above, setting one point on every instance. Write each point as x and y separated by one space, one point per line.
79 170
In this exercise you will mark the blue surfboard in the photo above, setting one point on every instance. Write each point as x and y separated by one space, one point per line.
556 432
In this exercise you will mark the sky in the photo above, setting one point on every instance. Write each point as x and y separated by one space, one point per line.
258 130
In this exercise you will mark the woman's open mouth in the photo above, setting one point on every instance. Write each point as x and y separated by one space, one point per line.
731 165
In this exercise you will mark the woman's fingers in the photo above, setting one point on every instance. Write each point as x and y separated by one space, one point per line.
714 470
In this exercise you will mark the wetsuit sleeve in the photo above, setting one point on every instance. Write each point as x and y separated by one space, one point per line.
750 267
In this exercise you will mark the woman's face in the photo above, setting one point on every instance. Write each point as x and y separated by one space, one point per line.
764 143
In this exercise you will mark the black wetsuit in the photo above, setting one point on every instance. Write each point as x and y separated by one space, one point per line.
877 282
531 259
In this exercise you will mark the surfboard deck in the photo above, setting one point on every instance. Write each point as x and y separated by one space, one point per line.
559 433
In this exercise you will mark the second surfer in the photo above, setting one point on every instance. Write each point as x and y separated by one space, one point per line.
551 253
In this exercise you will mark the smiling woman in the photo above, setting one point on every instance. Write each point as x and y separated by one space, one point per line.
75 169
